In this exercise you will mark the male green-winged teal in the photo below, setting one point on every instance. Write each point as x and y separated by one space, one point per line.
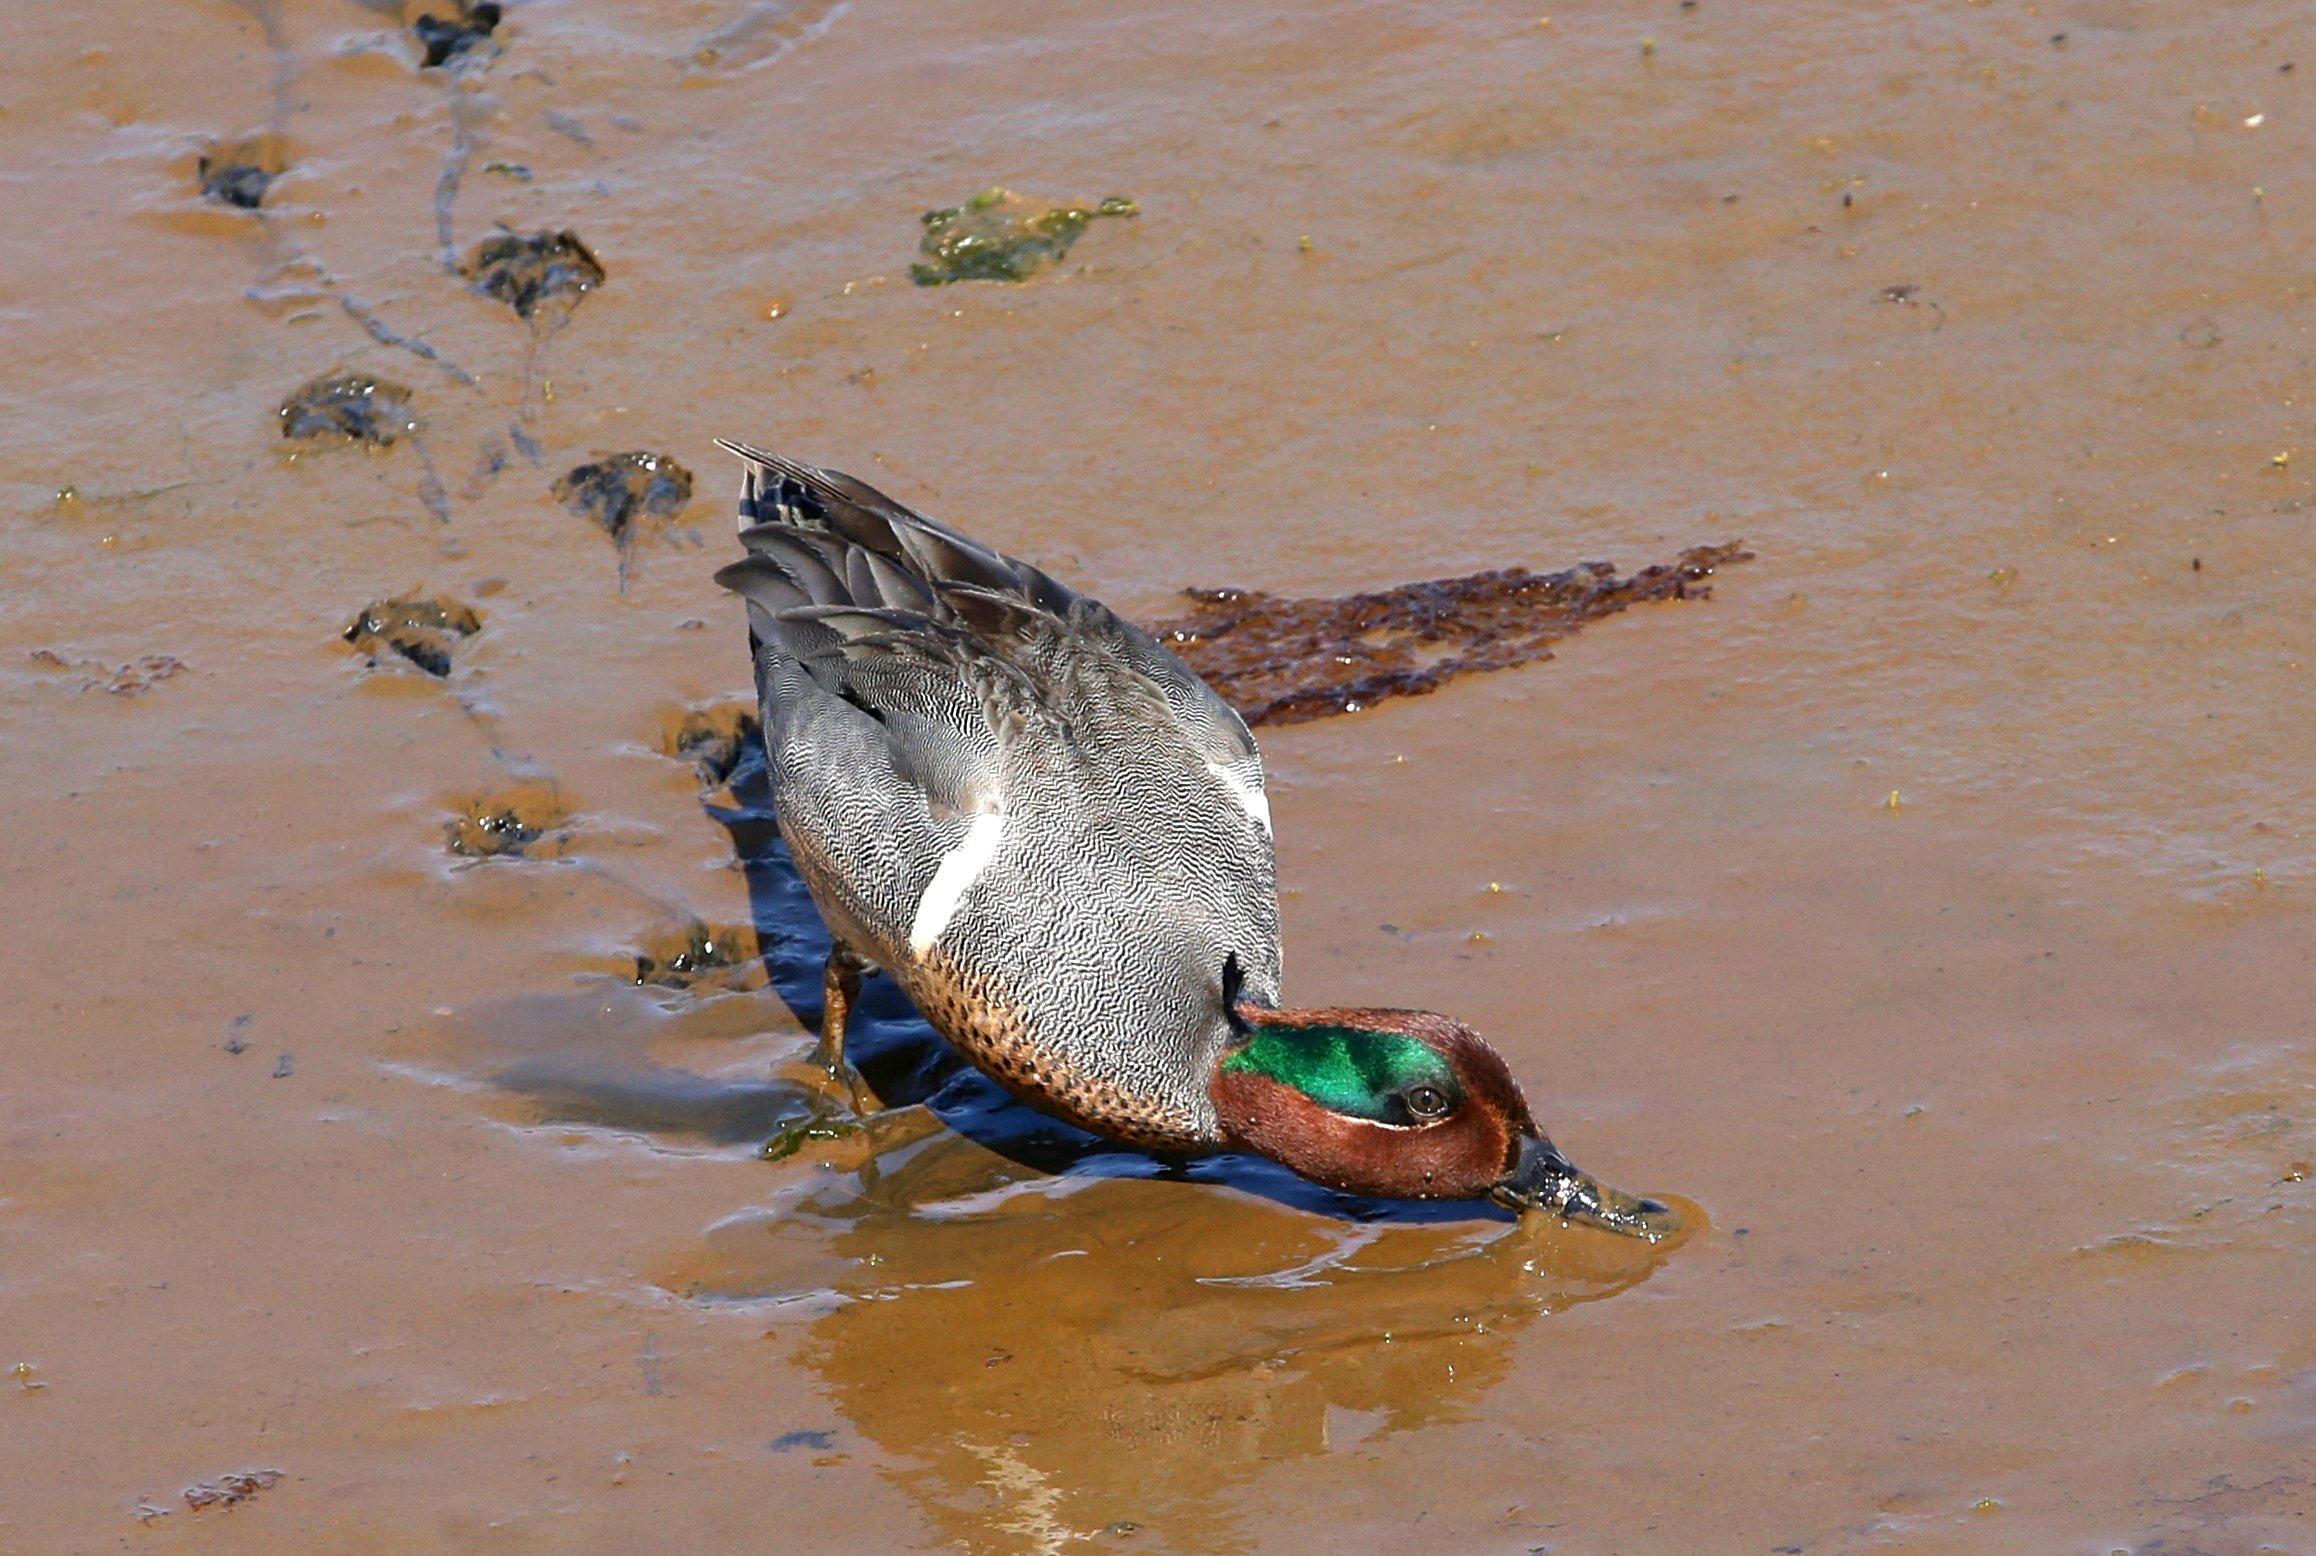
1054 836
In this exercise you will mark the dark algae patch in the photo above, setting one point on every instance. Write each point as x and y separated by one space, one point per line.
531 271
530 819
421 631
347 408
1001 236
1282 661
445 38
617 490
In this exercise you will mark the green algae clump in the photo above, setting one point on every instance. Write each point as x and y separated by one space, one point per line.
1001 236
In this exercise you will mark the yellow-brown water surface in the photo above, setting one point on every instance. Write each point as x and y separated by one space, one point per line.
1929 912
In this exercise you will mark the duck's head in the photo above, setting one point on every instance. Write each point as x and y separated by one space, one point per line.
1401 1104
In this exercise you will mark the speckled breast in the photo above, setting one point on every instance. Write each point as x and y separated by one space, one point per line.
982 1020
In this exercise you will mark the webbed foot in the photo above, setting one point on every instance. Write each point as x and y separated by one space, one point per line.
851 1140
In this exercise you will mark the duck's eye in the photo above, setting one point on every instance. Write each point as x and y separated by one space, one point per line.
1427 1102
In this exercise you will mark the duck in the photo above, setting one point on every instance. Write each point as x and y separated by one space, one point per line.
1056 839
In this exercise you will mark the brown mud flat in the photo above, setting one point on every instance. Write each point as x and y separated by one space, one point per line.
1929 918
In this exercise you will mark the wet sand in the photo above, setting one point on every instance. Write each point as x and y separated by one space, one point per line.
1929 912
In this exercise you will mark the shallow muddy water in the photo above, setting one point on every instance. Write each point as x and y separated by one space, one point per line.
1927 914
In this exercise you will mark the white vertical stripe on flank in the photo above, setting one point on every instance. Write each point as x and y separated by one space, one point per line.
958 870
1251 799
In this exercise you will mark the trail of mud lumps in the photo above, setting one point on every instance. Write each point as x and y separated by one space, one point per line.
1285 661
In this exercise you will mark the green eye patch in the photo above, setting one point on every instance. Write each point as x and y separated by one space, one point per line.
1349 1070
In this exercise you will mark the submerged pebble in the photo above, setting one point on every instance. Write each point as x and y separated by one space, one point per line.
528 271
348 408
445 38
714 739
696 952
421 631
1001 236
617 490
1281 661
510 824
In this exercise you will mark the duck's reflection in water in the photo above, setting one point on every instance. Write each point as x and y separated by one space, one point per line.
1056 1356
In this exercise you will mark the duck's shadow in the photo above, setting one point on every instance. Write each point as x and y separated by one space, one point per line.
601 1083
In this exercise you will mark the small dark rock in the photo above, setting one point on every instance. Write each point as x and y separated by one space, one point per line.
617 490
446 38
421 631
347 408
528 270
241 184
284 1068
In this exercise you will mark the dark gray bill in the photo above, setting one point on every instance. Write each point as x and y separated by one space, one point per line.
1542 1179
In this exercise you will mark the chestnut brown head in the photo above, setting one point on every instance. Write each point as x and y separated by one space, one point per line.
1401 1104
